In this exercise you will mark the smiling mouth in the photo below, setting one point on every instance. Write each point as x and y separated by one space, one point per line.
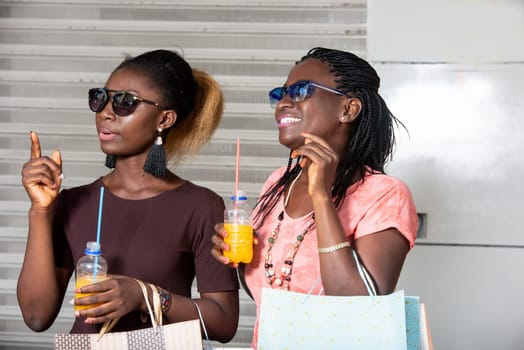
288 120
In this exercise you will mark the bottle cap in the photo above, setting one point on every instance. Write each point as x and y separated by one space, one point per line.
240 196
92 248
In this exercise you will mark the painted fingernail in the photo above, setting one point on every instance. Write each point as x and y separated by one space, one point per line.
226 260
293 154
303 162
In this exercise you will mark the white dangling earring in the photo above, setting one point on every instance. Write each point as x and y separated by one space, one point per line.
158 140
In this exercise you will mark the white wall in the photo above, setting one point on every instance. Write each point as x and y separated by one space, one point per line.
446 30
452 72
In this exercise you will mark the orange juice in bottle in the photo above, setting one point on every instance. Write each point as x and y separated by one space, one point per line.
91 268
237 223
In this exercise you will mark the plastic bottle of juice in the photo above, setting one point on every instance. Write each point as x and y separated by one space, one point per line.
90 268
237 223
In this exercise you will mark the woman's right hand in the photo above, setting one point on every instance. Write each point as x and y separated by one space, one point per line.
219 246
42 175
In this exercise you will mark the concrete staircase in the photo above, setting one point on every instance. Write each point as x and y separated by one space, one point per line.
53 51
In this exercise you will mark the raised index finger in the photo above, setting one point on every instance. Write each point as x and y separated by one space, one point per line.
36 151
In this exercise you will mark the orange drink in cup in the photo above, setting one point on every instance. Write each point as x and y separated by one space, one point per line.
240 241
84 281
237 223
90 268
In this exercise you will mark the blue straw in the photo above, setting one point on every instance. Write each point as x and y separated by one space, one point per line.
99 224
100 205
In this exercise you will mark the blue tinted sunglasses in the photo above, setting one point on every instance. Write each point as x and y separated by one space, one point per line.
298 92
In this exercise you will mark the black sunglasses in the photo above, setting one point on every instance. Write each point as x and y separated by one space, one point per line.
298 91
124 103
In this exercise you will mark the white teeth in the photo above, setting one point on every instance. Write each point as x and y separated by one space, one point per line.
289 120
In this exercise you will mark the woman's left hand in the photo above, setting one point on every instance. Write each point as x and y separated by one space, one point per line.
320 161
114 298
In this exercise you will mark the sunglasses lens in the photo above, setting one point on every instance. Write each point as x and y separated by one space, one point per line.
97 99
276 95
124 104
300 91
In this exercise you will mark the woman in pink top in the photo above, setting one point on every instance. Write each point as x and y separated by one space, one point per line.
333 197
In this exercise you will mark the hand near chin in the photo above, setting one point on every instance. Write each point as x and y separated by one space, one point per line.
320 161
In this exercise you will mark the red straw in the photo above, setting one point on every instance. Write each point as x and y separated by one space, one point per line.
238 161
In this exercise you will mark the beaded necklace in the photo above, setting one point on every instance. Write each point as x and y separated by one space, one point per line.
283 279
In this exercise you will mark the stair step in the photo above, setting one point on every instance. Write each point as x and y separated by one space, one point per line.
85 36
97 78
117 53
12 234
13 207
205 4
184 10
192 28
12 239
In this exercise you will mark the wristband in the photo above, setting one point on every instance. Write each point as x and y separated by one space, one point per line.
334 247
165 300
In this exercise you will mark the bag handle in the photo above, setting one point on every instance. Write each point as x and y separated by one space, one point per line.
156 316
155 312
157 308
203 326
364 275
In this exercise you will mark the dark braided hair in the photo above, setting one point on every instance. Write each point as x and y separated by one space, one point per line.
173 77
371 144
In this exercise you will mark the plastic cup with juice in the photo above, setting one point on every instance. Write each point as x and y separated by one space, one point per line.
91 268
240 241
84 281
237 223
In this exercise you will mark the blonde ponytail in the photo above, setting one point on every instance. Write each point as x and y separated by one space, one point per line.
188 136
